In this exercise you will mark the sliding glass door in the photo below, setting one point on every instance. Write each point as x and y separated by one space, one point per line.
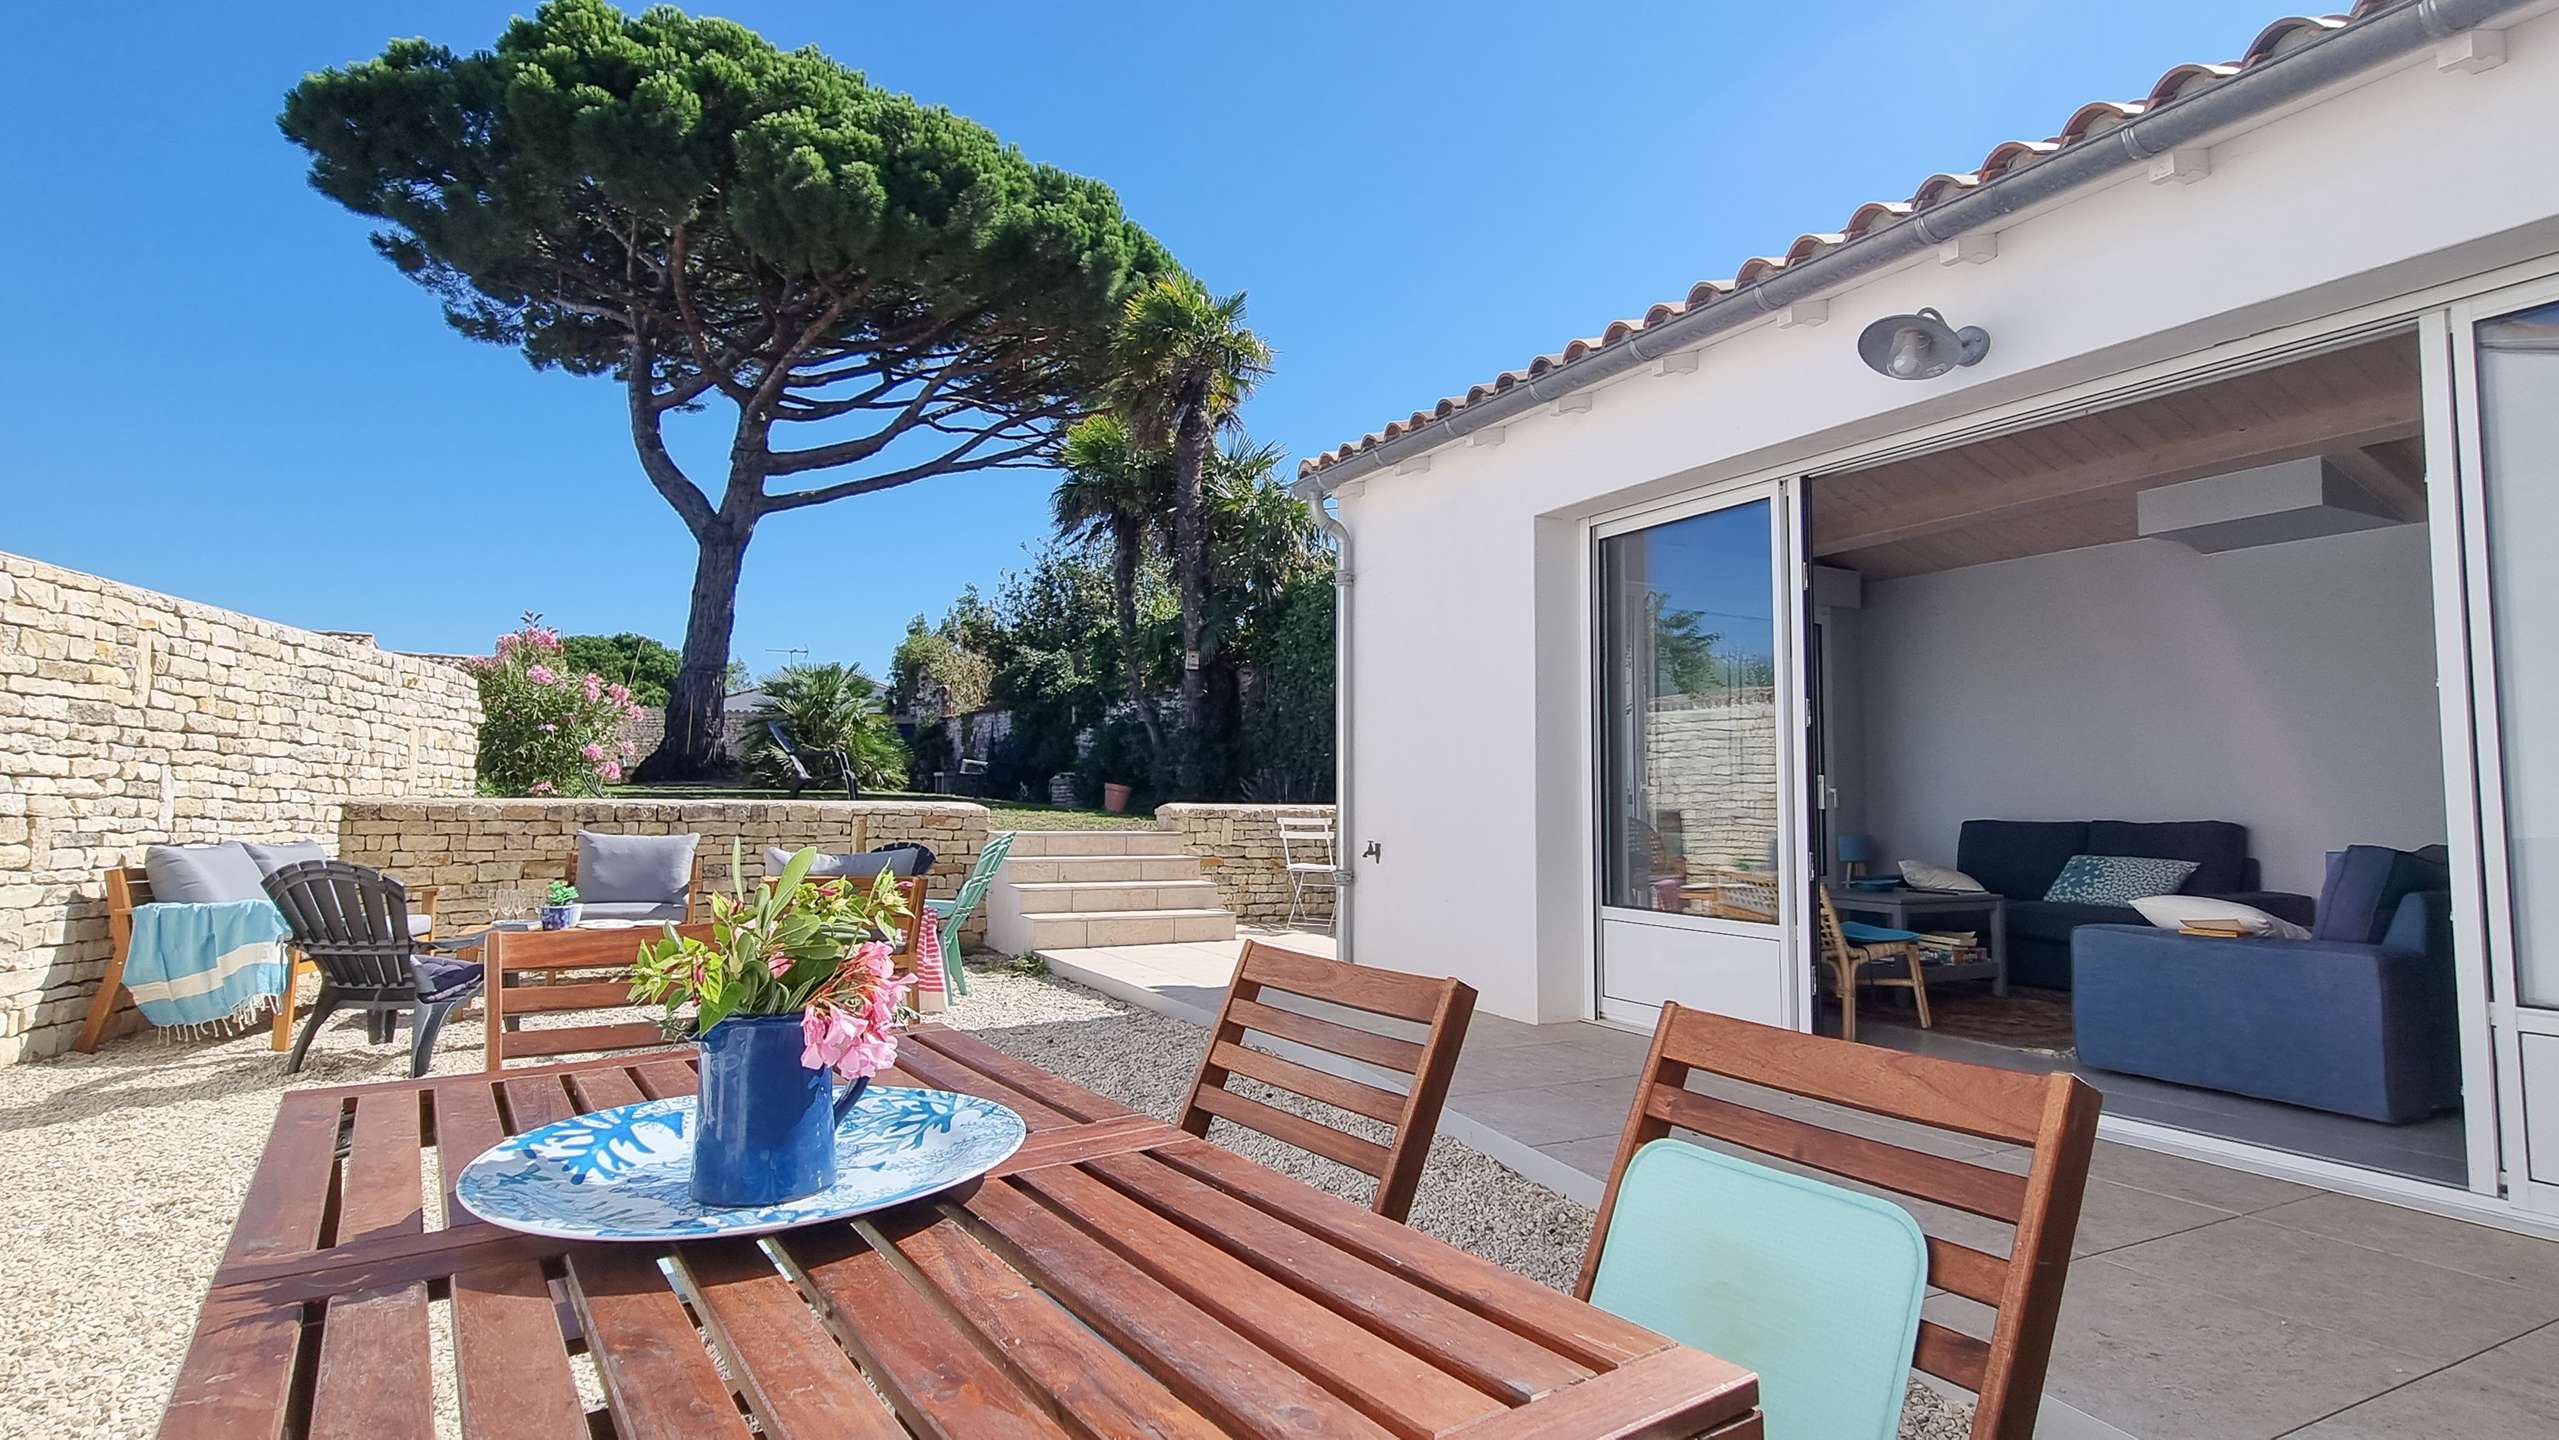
1700 735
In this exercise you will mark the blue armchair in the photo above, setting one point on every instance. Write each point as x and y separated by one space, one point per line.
2361 1019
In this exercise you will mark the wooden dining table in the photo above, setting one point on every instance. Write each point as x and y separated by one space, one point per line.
1116 1277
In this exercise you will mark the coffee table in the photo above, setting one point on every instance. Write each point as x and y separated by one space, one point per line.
1903 905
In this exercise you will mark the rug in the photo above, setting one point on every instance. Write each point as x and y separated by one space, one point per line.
2024 1019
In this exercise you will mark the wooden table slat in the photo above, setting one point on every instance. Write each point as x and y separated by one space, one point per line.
1551 1318
237 1378
466 1125
941 1382
1403 1392
657 1376
288 1198
383 1189
800 1384
666 1078
1420 1320
534 1099
604 1089
1222 1374
941 1072
1671 1395
375 1378
1018 1074
1088 1379
511 1362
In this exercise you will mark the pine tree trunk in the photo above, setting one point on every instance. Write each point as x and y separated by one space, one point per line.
1190 565
694 748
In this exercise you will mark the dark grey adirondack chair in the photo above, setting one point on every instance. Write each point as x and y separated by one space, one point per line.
801 779
354 924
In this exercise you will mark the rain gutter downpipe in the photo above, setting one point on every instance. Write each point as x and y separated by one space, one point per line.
1312 490
2365 45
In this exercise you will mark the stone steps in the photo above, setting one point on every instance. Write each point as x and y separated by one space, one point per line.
1073 889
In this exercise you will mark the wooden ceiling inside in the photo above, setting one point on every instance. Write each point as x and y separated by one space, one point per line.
2070 484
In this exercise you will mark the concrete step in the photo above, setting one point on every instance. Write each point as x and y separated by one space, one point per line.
1040 844
1018 869
1068 896
1077 930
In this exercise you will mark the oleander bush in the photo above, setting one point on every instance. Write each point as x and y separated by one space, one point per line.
545 729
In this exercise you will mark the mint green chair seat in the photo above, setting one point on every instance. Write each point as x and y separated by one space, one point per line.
1815 1287
955 912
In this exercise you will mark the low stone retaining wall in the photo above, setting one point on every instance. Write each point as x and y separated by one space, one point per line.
130 718
1239 847
474 848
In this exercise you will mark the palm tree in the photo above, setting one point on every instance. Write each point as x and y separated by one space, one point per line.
1116 489
829 710
1184 361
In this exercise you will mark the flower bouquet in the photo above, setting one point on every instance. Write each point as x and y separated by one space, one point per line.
792 988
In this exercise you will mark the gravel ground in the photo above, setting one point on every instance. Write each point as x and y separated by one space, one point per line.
123 1171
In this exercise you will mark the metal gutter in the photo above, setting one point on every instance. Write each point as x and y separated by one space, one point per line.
2342 54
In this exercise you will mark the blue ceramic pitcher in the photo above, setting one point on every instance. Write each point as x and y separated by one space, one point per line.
764 1127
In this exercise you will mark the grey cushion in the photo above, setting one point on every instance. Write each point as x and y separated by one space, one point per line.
653 869
203 874
859 867
629 910
276 856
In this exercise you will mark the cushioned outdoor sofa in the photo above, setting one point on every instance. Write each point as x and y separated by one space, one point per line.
2361 1019
2020 859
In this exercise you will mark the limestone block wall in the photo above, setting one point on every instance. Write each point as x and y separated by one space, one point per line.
1239 847
1711 769
473 849
129 718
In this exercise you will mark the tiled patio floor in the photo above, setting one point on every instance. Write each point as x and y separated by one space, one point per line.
2204 1302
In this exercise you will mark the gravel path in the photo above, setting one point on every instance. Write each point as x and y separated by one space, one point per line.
122 1172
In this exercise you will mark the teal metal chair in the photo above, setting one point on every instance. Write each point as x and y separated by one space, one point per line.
955 912
1815 1286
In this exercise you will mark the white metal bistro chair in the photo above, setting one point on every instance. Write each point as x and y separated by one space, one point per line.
1311 854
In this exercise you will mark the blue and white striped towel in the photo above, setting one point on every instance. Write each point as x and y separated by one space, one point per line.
206 964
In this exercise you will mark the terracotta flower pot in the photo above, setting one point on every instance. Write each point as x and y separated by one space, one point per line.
1115 796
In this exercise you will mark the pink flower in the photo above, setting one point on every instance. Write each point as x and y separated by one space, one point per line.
546 637
540 787
617 694
508 642
626 748
611 772
549 729
593 685
540 674
593 752
845 1041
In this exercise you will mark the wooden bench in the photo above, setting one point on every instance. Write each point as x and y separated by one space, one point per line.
129 886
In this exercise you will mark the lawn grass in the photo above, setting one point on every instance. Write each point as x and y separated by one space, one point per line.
1009 814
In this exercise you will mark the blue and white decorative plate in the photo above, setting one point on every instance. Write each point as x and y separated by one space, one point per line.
627 1173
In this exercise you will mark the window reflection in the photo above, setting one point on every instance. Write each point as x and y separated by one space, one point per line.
1688 750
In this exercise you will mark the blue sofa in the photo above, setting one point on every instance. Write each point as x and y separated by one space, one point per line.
2020 858
2361 1019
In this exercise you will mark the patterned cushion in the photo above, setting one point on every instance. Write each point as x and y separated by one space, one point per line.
2117 879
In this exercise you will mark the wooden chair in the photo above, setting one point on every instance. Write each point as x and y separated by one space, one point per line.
129 886
2054 1116
1849 949
537 957
1444 1006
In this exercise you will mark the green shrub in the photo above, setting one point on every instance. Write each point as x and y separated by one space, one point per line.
826 709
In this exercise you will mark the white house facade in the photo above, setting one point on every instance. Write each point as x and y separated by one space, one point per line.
2245 516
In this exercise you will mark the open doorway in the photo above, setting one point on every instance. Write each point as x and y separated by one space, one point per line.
2128 739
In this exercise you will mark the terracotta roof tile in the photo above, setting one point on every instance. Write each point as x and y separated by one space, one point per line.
2089 121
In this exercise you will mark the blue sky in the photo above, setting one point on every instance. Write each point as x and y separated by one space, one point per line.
213 387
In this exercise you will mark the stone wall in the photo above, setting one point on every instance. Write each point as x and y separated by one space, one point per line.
1711 768
472 849
1239 847
129 718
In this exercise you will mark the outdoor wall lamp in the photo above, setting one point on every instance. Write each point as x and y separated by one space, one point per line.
1920 347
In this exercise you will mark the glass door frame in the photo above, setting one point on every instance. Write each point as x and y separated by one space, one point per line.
1793 932
2501 1015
